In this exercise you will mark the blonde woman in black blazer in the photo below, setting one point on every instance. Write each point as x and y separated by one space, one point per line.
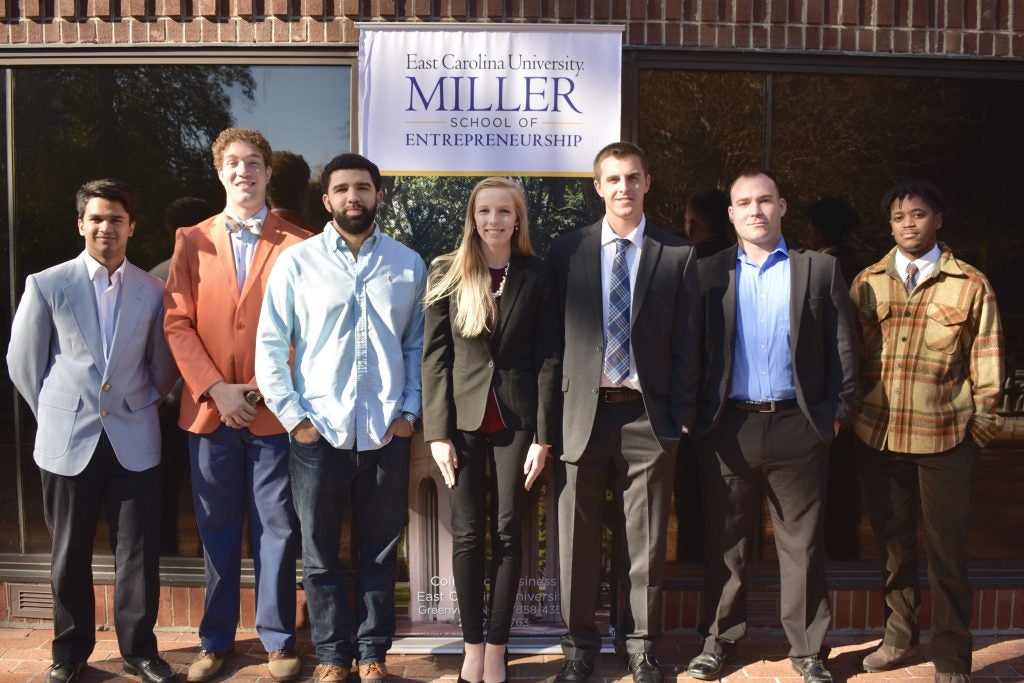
490 403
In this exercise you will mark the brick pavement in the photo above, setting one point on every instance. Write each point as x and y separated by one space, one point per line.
25 654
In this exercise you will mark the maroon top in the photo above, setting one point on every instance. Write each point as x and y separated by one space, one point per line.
492 416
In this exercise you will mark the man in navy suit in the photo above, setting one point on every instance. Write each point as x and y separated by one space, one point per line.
88 354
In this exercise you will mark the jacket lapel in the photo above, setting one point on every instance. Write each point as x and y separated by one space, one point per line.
729 313
513 285
800 274
270 237
590 252
650 253
127 316
225 255
78 290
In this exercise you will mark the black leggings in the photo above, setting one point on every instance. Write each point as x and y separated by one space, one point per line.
506 453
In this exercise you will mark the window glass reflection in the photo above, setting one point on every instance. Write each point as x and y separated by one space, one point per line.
152 126
849 138
9 534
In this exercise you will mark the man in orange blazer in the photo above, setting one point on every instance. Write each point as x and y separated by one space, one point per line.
238 449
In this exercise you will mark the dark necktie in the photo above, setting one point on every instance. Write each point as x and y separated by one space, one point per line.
911 280
616 359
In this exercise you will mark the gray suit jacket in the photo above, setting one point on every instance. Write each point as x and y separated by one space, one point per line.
56 362
665 321
823 337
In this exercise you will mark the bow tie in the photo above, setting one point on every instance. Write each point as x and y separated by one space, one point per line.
253 225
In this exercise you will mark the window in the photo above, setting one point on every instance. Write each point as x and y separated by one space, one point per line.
851 137
151 125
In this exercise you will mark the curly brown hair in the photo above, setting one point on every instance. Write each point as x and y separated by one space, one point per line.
247 135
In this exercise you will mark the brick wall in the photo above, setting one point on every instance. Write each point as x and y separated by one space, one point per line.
968 28
998 610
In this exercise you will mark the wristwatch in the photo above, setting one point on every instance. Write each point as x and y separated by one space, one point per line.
412 419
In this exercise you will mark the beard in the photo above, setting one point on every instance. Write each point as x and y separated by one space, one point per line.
355 225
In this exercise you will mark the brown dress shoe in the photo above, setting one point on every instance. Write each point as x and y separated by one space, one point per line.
329 673
373 671
284 665
888 657
206 665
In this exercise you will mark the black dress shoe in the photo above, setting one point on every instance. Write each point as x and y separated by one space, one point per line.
64 672
645 668
812 668
153 670
708 666
574 670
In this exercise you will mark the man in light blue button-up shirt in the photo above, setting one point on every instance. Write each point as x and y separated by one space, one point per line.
348 305
777 380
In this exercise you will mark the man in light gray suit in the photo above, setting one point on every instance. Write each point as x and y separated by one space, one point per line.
631 312
88 354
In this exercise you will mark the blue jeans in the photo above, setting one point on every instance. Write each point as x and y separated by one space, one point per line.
235 472
372 486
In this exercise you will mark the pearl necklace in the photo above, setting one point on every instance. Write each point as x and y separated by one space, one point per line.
501 287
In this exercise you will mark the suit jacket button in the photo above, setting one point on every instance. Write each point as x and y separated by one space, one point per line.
490 363
104 413
594 390
106 387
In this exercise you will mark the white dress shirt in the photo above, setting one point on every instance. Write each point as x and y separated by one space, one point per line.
107 288
925 265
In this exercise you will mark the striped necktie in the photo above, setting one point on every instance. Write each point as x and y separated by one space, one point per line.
911 280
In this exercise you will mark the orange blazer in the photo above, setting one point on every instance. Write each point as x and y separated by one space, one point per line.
210 325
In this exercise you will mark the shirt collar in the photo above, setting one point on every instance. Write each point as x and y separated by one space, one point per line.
94 268
261 214
781 251
636 236
923 263
333 238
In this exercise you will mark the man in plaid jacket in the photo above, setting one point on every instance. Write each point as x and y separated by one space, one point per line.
931 372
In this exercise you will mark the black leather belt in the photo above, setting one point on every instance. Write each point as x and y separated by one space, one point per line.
764 406
618 395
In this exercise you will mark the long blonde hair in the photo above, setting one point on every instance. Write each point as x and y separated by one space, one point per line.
463 274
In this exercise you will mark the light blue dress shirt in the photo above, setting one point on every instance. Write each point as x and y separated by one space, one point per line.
243 246
356 324
762 357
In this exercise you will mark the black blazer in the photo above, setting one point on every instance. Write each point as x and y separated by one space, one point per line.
664 318
822 335
458 372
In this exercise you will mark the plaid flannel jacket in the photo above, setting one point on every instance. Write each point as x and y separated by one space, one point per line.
932 360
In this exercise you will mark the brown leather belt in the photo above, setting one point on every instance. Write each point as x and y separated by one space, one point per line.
764 406
618 395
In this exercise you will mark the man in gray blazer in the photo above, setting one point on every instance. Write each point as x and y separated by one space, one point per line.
89 357
778 374
630 309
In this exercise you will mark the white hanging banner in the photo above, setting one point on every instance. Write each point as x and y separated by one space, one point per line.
472 99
